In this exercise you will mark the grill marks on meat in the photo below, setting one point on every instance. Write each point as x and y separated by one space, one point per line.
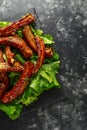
21 85
10 29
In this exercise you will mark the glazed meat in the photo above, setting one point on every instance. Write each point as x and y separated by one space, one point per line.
9 55
3 77
30 39
20 86
41 54
5 67
17 42
10 29
48 52
27 45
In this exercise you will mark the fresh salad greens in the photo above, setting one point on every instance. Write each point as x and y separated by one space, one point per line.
45 78
48 39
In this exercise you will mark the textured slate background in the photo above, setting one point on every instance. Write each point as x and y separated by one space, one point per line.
66 20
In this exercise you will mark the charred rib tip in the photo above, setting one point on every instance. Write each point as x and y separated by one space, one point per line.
32 16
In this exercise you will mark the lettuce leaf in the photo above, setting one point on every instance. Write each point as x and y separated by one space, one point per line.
13 111
43 80
48 39
4 24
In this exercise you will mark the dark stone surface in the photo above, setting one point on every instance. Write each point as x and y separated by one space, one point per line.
66 20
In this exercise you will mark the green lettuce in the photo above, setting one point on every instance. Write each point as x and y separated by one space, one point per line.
48 39
45 78
13 111
4 24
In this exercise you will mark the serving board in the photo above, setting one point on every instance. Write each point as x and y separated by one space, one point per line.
48 97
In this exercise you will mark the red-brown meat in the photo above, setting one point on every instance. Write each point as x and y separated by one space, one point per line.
20 86
5 67
3 77
9 55
29 37
7 31
41 54
17 42
48 52
2 88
